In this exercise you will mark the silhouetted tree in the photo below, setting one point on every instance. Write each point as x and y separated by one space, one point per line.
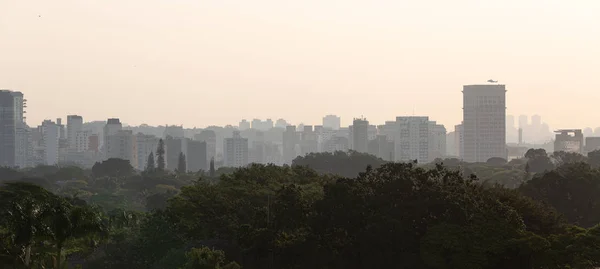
160 155
150 165
212 167
496 161
562 158
594 158
113 167
181 165
538 161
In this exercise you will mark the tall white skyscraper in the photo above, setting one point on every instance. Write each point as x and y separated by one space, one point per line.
484 122
236 150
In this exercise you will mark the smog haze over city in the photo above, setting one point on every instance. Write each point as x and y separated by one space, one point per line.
221 61
313 134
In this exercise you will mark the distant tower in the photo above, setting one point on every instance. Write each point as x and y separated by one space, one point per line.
520 136
360 135
484 122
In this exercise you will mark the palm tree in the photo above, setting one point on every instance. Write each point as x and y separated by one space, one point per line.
21 208
67 221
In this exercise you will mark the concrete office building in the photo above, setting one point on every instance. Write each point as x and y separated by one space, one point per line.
112 127
569 140
146 145
332 122
196 156
281 123
360 135
412 139
382 148
50 142
122 145
74 126
336 143
290 140
308 141
484 122
8 127
459 140
82 141
437 141
592 143
210 137
23 146
174 131
173 147
244 125
235 151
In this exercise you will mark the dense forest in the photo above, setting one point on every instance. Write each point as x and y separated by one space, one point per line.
326 210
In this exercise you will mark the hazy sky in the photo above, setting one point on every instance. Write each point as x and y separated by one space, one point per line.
201 62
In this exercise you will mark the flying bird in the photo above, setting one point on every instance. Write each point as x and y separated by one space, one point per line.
492 81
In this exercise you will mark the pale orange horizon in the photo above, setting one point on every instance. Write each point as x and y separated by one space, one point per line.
215 62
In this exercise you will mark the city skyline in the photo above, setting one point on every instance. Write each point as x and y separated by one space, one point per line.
217 61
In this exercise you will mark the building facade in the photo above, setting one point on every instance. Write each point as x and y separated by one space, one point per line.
412 139
570 140
75 126
122 145
11 116
146 145
484 122
235 151
332 122
360 135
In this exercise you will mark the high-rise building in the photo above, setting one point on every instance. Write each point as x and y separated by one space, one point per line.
82 141
235 151
122 145
332 122
74 126
437 141
281 123
210 137
412 139
50 141
382 148
290 140
569 140
484 122
308 141
258 152
196 156
8 126
146 145
173 147
360 135
112 127
451 145
93 142
459 140
244 125
336 143
523 121
174 131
